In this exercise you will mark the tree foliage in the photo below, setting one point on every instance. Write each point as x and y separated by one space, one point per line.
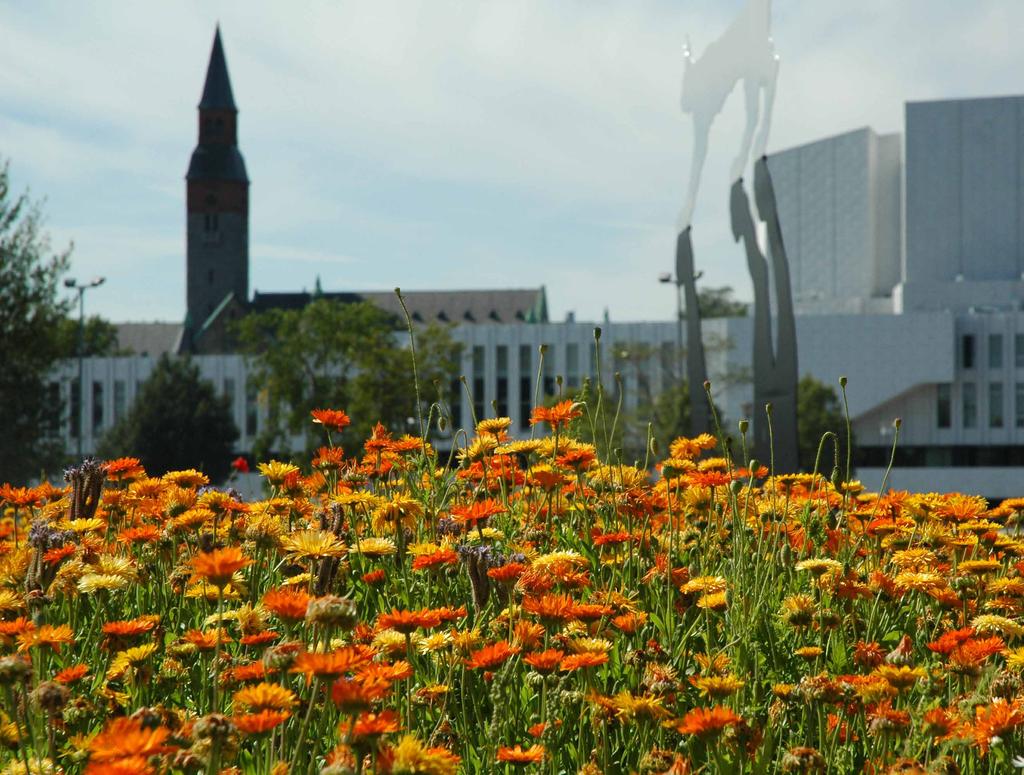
719 303
30 310
177 422
338 355
819 411
99 338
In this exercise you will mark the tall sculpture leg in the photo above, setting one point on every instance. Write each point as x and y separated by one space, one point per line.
696 365
785 373
743 228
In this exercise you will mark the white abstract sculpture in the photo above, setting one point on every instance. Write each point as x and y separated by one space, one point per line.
746 52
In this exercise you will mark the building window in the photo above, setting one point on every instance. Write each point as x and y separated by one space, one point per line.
501 370
229 393
211 222
1018 405
455 405
1018 351
209 276
525 399
252 413
97 407
53 409
967 351
944 406
75 409
572 364
479 389
995 404
549 370
995 351
120 399
969 396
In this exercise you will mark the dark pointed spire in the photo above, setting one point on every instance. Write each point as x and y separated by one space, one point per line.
217 91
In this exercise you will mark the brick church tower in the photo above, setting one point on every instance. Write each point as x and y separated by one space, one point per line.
217 261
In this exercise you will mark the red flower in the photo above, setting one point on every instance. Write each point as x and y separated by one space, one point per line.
240 464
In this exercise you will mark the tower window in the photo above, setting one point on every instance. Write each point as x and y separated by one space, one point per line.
210 222
209 276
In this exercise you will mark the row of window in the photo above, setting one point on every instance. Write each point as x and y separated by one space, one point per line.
969 405
968 351
622 361
98 422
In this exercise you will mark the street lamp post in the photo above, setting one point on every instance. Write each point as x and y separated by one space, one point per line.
81 288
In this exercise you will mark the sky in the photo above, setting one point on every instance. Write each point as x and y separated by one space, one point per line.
444 143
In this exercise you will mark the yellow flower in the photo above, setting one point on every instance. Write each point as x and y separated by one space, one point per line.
819 566
82 525
400 510
717 686
95 582
590 645
188 478
11 600
129 658
798 610
979 567
717 601
901 677
999 625
479 448
276 472
706 585
411 756
641 707
375 547
313 544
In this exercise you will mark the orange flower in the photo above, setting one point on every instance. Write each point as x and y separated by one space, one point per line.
131 628
556 416
143 534
262 722
407 621
995 720
551 609
544 662
206 641
583 661
130 765
333 419
265 696
508 573
706 722
491 656
53 556
124 468
259 638
126 737
353 695
435 560
333 664
50 635
517 757
70 675
372 725
218 566
476 511
288 605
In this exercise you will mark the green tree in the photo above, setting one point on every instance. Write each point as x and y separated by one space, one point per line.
719 303
177 422
30 311
335 355
99 337
819 411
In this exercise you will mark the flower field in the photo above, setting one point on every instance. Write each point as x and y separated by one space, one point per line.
517 606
